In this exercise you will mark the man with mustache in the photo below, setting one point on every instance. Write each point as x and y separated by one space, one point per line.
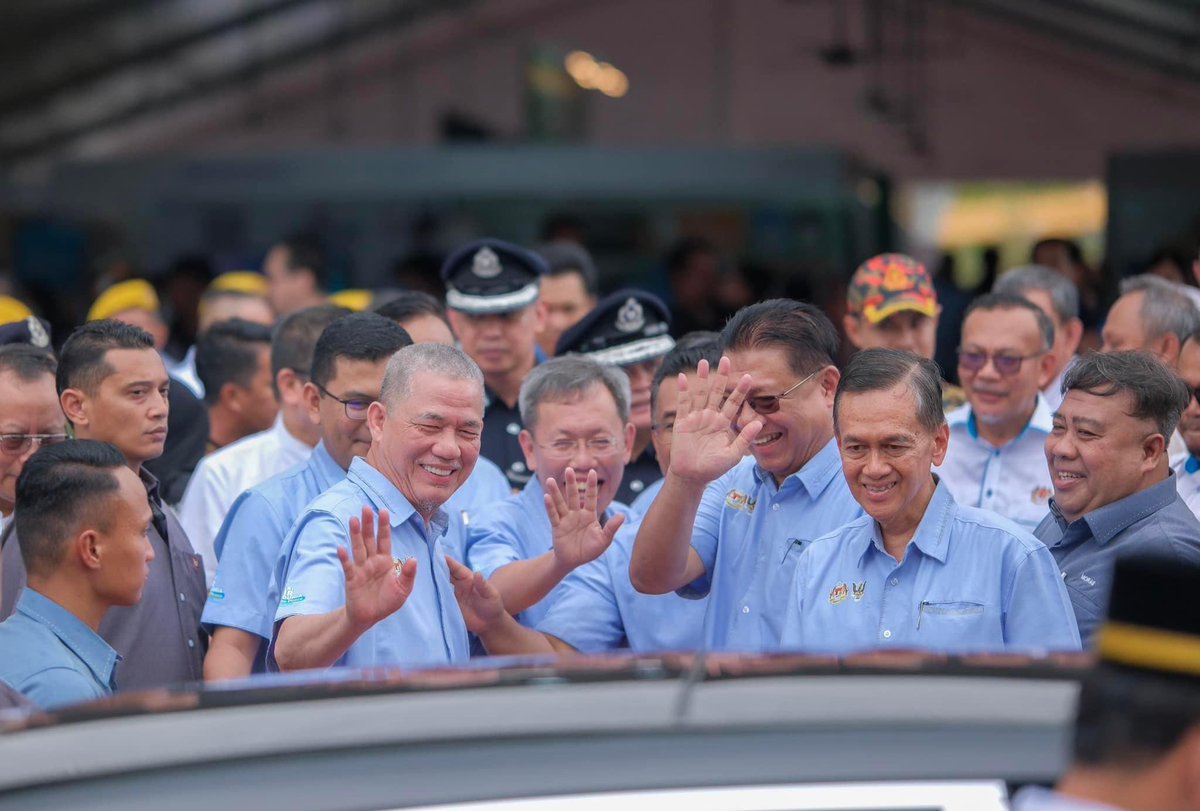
995 459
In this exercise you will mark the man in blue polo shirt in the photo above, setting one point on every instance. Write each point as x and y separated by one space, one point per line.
1114 493
346 374
734 525
393 603
995 460
82 524
918 570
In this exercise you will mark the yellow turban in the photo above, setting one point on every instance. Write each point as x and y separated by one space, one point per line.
135 294
12 310
354 300
240 281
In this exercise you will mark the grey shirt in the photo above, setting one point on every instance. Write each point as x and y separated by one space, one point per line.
159 639
1155 521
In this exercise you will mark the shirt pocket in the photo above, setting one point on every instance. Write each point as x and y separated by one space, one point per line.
958 625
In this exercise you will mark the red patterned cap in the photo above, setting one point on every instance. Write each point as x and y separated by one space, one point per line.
891 283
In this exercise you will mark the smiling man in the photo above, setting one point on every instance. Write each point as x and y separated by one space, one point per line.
338 607
732 527
995 459
918 570
576 413
30 415
1113 491
1189 425
113 387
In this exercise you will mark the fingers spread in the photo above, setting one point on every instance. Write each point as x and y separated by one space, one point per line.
733 404
384 535
356 542
742 443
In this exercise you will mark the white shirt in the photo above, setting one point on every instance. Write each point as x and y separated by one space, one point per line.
1187 482
224 474
1053 390
184 370
1013 481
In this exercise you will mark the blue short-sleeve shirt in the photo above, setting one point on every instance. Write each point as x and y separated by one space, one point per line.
1155 521
429 629
250 539
970 581
518 529
51 656
749 534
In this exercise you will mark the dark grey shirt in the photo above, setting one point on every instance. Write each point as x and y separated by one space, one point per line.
159 638
1155 521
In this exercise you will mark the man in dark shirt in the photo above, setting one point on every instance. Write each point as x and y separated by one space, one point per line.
113 387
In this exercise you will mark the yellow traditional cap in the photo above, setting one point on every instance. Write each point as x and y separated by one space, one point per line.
240 281
13 310
134 294
354 300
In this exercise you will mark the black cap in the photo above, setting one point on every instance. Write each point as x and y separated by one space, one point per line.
490 276
627 327
31 330
1153 616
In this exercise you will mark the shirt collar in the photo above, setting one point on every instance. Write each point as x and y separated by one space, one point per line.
1192 464
387 496
1042 419
97 654
285 437
328 471
816 474
151 483
931 534
1108 521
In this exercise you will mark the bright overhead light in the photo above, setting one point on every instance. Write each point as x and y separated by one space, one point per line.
592 75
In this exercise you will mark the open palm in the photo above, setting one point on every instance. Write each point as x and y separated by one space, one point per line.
578 535
705 444
375 589
478 599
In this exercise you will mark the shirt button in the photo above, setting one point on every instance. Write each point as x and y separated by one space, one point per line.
775 507
745 609
989 493
887 634
191 643
182 599
895 581
513 428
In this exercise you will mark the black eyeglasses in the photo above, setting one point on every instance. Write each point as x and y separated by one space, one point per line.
355 409
17 444
769 403
1006 365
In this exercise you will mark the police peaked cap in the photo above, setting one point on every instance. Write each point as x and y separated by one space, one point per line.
626 327
490 276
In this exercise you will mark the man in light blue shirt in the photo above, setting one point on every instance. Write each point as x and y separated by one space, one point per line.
355 597
576 416
996 460
733 527
83 554
346 373
918 570
1114 493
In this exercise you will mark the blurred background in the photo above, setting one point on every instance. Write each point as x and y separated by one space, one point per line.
178 139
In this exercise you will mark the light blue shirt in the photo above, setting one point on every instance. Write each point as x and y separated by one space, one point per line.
518 529
749 534
970 581
1012 481
429 629
52 657
250 539
598 609
642 503
487 485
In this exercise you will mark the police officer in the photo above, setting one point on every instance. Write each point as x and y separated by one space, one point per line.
492 299
1137 729
630 329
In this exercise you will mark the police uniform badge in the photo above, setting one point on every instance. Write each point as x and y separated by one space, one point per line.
37 333
858 590
631 317
486 265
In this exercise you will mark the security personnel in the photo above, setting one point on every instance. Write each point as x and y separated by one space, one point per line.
492 299
1137 728
630 329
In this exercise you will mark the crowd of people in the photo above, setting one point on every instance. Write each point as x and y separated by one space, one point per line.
527 467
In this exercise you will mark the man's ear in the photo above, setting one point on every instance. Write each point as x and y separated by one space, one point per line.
311 398
630 434
1045 370
87 549
74 405
231 397
526 440
850 326
828 379
1154 447
1074 332
376 417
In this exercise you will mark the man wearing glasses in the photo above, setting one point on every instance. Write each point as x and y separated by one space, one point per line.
996 460
733 527
576 440
347 371
1189 425
30 415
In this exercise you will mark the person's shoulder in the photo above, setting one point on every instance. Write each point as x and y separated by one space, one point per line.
986 526
953 397
56 685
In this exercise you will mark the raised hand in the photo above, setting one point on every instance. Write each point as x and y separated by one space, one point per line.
478 599
578 536
375 589
705 443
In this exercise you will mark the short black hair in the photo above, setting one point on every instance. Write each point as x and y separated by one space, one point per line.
802 331
563 257
410 304
679 254
882 369
58 488
685 357
295 337
227 352
81 362
358 336
27 362
304 253
1158 394
1069 245
1011 301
